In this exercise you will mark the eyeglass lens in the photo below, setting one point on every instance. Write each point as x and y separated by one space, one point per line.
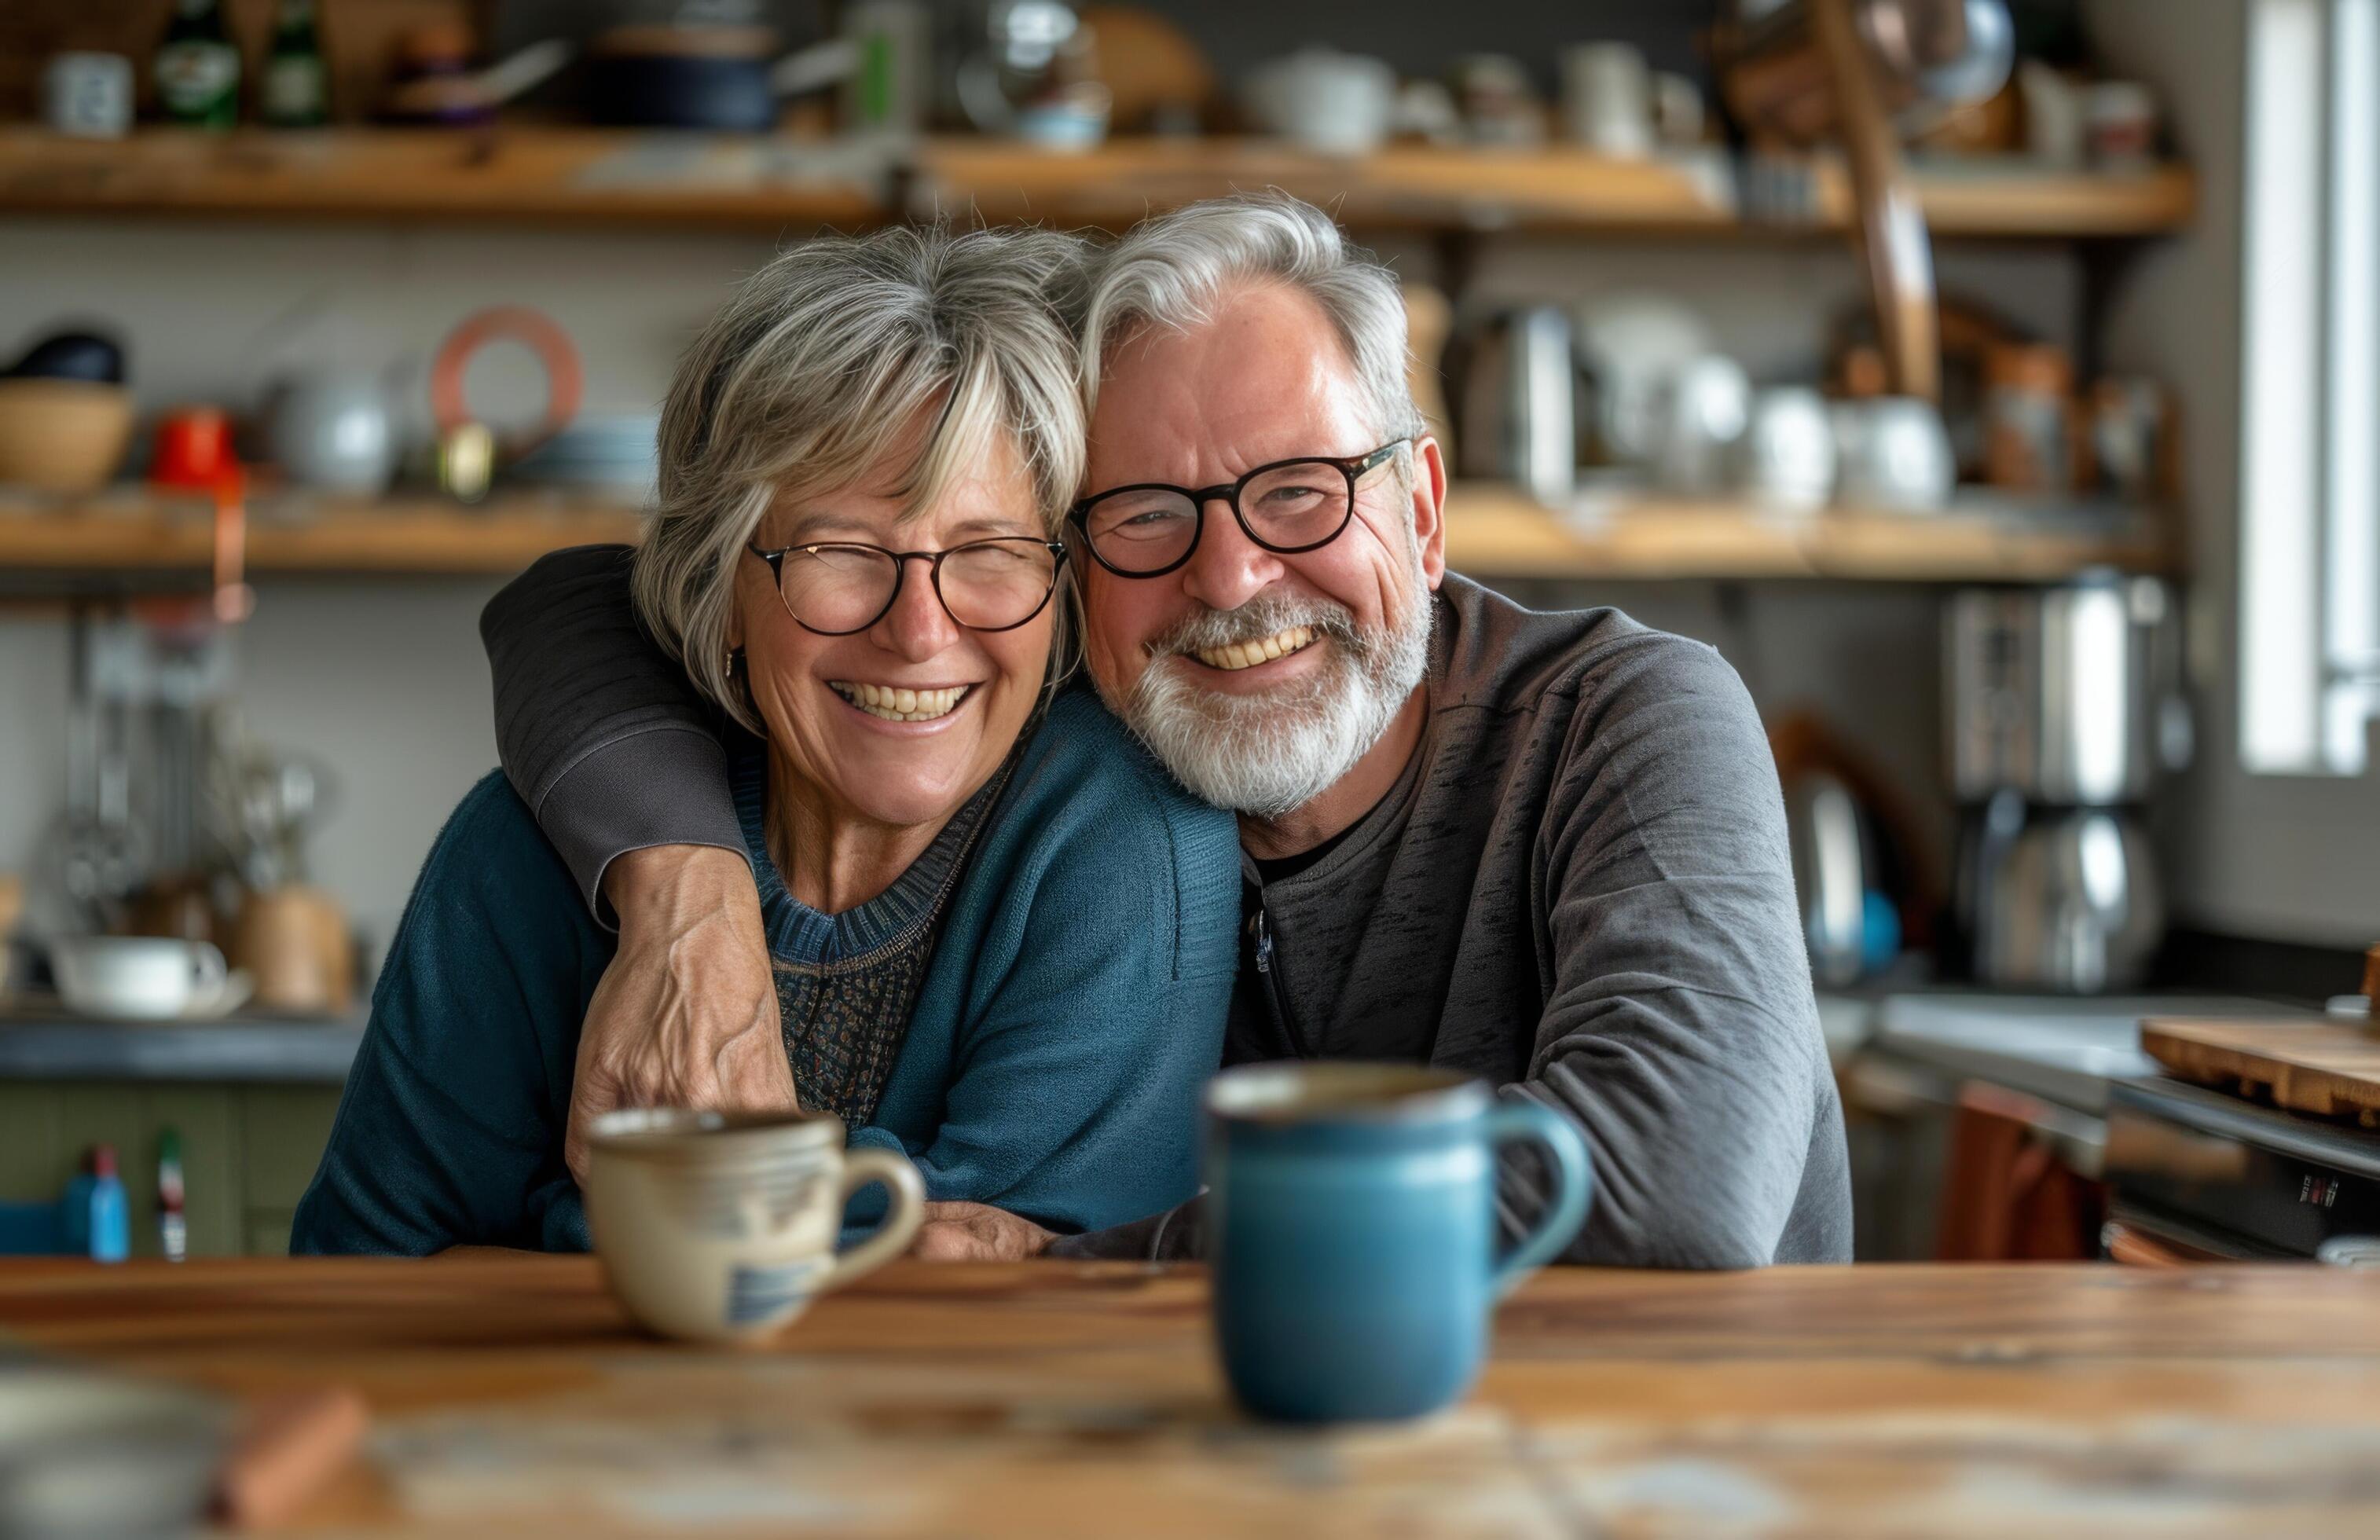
1303 503
986 585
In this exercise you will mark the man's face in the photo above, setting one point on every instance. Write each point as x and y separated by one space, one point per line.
1189 657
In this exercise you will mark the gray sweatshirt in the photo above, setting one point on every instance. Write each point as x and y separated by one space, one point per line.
1579 890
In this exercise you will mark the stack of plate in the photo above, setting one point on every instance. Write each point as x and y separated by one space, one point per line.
615 455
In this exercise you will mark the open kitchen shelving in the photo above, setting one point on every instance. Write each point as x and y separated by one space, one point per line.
131 539
544 174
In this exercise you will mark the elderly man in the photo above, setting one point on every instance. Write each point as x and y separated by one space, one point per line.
1544 849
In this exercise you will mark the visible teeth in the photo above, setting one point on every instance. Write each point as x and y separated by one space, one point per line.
1232 656
898 705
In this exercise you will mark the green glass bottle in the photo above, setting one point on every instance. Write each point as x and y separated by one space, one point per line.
296 89
198 68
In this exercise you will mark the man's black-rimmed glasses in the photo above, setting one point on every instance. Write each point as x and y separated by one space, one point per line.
1289 506
837 587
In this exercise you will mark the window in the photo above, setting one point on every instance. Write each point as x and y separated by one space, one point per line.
2310 389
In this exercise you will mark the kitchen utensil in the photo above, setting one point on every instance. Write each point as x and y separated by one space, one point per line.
1329 102
1069 117
2062 898
617 454
1630 342
1699 413
2055 132
2029 422
2119 125
332 431
1520 403
84 356
1892 453
1352 1215
88 95
2062 694
1030 50
685 77
1834 872
440 87
62 435
1786 457
532 329
1606 98
138 977
722 1227
1498 100
293 942
194 452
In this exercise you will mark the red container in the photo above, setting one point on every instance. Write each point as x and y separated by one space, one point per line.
193 450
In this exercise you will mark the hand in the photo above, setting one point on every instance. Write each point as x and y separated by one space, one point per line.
686 1013
977 1232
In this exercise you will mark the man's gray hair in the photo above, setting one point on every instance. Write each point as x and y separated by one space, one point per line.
1169 271
821 365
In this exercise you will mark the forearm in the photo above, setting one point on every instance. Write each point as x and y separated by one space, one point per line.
603 734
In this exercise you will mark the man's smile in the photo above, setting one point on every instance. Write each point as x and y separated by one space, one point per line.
1234 656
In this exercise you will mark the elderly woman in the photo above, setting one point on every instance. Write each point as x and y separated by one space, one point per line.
1003 938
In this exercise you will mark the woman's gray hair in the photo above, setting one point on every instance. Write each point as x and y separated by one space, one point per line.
818 368
1170 270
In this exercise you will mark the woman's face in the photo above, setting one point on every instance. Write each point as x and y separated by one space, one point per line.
814 691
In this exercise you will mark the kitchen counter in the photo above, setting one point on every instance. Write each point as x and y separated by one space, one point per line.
509 1394
242 1051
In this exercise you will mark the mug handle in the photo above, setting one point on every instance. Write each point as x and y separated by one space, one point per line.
1574 1183
906 1212
209 974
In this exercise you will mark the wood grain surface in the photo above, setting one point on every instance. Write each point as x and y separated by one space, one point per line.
2329 1068
509 1394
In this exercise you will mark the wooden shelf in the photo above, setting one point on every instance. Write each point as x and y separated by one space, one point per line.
512 174
130 534
580 176
1492 532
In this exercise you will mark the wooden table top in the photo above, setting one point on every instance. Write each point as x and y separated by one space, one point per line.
1058 1399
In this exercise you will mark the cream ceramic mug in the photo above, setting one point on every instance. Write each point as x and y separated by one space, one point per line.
720 1226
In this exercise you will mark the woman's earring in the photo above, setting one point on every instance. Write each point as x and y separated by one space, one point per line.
735 661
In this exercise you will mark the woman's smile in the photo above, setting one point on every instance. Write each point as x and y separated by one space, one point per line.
903 703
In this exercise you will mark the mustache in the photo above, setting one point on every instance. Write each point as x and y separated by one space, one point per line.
1267 612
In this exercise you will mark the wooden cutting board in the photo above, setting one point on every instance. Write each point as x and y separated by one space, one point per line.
2327 1068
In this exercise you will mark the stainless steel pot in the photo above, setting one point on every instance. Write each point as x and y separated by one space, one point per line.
2062 898
2068 695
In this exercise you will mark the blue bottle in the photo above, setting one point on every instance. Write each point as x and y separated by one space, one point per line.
97 1221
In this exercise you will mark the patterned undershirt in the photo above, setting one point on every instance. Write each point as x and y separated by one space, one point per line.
845 983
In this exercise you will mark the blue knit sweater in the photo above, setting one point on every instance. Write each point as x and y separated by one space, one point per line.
1072 1007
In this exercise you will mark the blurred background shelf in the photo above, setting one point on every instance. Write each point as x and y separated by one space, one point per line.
1492 531
614 177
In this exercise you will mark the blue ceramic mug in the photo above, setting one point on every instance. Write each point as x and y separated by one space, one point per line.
1352 1223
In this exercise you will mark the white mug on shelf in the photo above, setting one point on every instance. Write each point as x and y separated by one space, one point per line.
1699 413
1893 452
88 95
1329 102
1608 99
139 977
1786 457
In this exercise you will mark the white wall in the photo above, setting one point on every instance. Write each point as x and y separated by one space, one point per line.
385 678
2286 858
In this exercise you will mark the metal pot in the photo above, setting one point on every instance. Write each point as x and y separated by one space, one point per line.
2062 898
2068 695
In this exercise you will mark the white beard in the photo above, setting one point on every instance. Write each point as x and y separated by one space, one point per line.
1265 755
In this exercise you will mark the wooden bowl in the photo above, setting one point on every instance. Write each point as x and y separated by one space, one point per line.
62 435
